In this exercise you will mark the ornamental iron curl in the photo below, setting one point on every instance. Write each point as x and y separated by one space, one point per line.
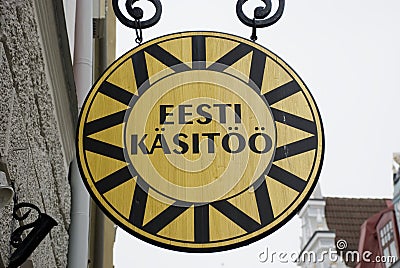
40 228
137 14
261 14
16 236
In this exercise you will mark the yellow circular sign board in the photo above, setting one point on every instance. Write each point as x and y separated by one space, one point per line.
200 142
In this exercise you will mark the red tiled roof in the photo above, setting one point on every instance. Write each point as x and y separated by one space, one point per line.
346 215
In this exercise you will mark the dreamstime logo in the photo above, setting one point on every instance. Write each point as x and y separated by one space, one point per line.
331 255
341 244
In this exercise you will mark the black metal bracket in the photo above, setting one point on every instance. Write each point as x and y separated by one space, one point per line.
40 228
137 14
261 19
16 236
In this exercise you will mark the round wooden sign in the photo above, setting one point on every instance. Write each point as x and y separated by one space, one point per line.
200 142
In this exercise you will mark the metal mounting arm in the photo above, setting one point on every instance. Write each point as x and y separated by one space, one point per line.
137 14
261 14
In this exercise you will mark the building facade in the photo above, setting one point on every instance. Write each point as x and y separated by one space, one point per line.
338 225
38 116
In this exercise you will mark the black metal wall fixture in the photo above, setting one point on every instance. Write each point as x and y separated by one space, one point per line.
137 14
261 17
40 228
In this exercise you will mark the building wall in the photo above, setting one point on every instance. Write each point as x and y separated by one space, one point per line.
316 237
396 187
70 12
36 120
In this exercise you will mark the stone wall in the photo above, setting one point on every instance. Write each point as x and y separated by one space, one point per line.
31 147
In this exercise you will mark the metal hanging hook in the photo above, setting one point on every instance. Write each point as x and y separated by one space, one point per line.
24 246
260 19
137 14
16 236
133 10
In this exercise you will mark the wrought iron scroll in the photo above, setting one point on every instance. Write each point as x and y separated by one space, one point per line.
261 17
137 14
16 236
40 228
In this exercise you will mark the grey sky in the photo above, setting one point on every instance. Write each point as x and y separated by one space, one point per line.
348 54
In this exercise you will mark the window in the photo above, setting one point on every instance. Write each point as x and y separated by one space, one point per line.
386 234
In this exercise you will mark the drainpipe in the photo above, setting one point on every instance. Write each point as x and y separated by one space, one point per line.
79 229
100 217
